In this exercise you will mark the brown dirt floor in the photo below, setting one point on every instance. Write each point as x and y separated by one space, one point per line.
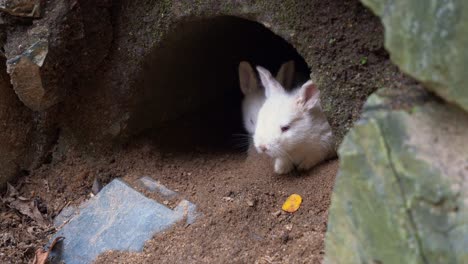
238 194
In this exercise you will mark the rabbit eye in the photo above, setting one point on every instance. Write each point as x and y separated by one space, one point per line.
251 121
285 128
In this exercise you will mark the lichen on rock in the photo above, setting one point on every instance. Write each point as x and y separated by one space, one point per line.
427 39
21 8
401 193
26 79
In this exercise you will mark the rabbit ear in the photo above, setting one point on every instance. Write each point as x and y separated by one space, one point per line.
247 78
285 74
271 85
309 95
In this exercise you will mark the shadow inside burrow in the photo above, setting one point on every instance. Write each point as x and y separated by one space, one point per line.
187 93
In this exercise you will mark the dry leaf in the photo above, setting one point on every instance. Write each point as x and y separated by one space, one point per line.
29 208
23 205
10 194
42 255
11 191
292 203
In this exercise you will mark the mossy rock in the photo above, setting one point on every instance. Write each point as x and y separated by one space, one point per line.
427 39
401 193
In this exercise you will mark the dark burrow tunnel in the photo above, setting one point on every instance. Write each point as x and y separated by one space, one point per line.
188 91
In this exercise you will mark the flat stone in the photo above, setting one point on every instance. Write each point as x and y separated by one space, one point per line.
117 218
66 214
155 186
188 209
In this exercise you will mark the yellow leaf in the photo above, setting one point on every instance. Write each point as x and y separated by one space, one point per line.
292 203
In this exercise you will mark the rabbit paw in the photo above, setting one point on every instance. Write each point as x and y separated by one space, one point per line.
283 166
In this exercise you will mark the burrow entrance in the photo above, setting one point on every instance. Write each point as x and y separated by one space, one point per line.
188 91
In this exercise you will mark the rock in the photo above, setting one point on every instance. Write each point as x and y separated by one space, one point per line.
117 218
16 128
45 57
187 210
155 186
39 61
97 186
66 214
26 79
21 8
25 76
428 41
401 193
184 207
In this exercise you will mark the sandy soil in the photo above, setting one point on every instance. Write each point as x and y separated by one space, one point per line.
238 194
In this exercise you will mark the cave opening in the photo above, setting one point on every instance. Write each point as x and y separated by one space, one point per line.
188 90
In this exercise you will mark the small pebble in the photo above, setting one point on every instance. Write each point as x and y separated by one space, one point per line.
97 186
228 199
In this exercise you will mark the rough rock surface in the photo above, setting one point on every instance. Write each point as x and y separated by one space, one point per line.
45 58
340 62
21 8
401 193
427 39
16 126
67 44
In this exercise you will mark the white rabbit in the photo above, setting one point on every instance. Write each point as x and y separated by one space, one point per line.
291 127
254 95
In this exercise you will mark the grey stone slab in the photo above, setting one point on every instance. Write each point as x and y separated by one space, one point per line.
118 218
155 186
188 210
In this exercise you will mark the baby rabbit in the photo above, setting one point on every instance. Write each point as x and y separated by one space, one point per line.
254 95
291 127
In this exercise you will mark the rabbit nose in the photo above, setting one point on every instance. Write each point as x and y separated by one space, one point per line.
263 148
